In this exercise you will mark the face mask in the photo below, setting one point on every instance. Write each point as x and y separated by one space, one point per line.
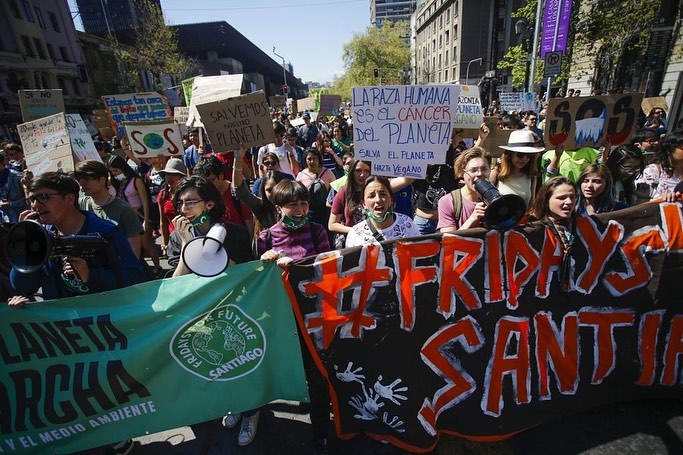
379 219
201 219
292 223
120 177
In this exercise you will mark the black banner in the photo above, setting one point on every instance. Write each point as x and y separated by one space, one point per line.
471 334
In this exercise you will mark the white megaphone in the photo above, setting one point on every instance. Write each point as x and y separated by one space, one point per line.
206 256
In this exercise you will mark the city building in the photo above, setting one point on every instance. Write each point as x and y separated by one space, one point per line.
102 17
220 49
391 10
39 49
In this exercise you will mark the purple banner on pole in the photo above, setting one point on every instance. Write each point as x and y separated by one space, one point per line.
550 19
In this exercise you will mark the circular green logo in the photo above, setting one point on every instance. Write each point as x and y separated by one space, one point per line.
221 345
153 141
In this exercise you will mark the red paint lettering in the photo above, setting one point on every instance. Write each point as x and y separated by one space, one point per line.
551 260
410 276
638 270
600 248
173 149
603 320
517 247
674 348
134 136
559 351
459 254
647 346
673 230
493 289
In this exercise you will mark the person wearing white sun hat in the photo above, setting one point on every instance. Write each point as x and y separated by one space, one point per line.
518 167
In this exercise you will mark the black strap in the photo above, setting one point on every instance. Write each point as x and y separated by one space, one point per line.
375 233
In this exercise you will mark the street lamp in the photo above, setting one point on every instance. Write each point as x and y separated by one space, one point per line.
467 74
285 87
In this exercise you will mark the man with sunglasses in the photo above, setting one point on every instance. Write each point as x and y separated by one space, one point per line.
54 203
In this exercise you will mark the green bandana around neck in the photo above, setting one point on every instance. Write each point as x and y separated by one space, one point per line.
292 223
201 219
379 219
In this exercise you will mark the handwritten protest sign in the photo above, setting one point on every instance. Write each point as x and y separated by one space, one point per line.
590 121
210 89
181 114
150 139
100 119
329 104
278 101
135 107
468 111
656 101
402 129
517 101
305 104
81 143
46 144
37 104
243 119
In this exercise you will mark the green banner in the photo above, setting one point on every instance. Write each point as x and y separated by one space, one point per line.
187 89
89 371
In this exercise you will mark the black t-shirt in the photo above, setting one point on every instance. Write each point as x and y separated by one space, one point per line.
440 180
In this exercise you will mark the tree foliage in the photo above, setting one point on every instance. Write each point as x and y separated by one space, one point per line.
156 48
379 47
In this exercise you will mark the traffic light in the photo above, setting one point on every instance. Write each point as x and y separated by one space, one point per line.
285 89
376 72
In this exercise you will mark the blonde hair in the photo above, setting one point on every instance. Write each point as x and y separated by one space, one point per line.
469 154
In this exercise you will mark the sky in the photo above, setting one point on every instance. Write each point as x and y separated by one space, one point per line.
308 33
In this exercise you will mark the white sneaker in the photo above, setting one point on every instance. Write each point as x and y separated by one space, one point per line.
230 420
248 430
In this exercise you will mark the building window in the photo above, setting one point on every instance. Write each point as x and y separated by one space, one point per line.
65 55
39 48
27 11
448 35
14 9
39 16
448 19
440 41
50 51
27 46
54 22
445 75
77 87
445 60
62 85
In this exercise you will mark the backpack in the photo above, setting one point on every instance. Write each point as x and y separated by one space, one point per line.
318 194
457 204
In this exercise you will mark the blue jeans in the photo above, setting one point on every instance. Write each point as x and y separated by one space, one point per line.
424 225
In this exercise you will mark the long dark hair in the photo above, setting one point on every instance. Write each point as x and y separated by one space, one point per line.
266 205
605 202
354 196
616 157
667 146
540 207
129 172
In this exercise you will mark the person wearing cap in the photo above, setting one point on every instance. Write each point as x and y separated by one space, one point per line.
173 173
308 132
518 168
93 178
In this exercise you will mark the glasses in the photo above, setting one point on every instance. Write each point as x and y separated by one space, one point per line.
189 203
269 163
521 156
42 197
478 170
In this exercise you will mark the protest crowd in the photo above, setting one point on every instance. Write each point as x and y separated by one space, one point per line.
306 193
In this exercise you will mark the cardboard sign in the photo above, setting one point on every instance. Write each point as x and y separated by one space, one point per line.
517 101
404 128
591 121
278 101
329 105
135 107
297 122
46 144
496 137
306 104
82 145
243 119
468 111
37 104
293 106
150 139
210 89
656 101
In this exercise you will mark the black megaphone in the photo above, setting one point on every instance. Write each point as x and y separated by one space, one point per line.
502 212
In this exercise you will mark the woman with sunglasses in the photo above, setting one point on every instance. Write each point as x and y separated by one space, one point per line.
518 168
626 164
270 162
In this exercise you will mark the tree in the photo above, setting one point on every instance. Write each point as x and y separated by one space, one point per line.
156 48
384 48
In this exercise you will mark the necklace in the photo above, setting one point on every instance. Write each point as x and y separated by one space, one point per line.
564 234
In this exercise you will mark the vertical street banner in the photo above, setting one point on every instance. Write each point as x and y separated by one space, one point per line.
591 121
150 139
471 333
557 16
240 120
37 104
135 107
46 144
402 129
90 371
82 145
